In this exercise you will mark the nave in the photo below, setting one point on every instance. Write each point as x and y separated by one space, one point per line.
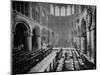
63 60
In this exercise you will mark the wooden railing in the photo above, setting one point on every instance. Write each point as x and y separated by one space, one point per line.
44 64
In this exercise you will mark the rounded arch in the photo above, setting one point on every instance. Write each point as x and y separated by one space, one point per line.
20 41
63 11
68 10
36 34
56 11
22 22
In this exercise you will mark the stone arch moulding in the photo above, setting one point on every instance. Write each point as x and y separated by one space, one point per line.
23 22
21 36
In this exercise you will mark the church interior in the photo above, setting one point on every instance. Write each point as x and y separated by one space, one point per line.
52 37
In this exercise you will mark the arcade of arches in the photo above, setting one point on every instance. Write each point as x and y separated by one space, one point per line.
53 37
23 38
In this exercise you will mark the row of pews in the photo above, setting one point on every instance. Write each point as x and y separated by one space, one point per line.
23 61
50 63
63 60
71 60
60 60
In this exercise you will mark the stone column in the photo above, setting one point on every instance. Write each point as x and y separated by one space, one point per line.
93 38
89 44
92 45
39 42
83 45
29 40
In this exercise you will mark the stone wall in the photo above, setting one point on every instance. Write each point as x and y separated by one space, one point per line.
62 26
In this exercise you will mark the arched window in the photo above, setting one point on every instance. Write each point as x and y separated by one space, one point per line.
51 9
68 10
56 11
62 11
